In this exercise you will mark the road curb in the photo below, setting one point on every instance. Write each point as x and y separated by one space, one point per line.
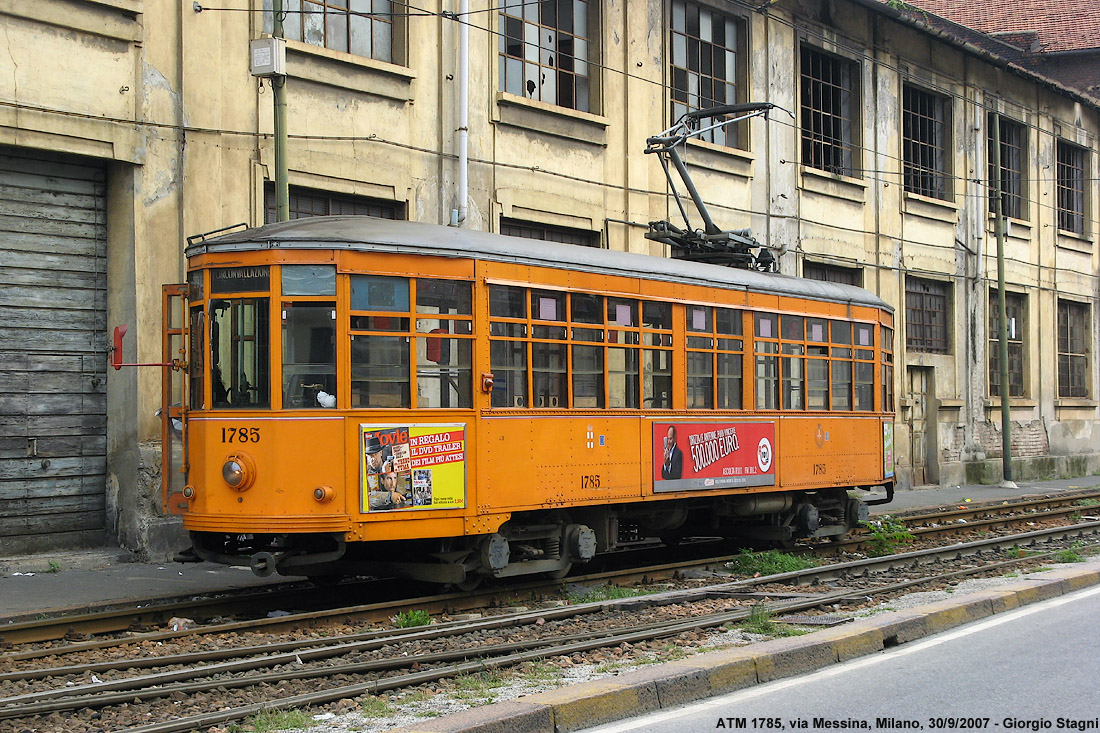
715 673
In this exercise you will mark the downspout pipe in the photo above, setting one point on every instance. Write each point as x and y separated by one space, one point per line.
462 134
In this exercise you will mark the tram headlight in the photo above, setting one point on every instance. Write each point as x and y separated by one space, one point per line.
238 471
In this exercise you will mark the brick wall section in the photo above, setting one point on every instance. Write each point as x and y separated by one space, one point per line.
1028 439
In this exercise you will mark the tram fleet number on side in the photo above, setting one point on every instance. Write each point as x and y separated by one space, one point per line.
240 435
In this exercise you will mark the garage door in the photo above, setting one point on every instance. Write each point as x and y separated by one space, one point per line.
53 300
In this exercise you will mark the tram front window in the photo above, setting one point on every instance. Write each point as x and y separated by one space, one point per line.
239 343
309 355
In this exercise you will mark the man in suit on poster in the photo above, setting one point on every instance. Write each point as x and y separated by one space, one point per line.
673 465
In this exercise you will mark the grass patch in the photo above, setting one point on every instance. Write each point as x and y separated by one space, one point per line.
760 622
768 562
1016 552
671 652
55 567
1070 554
886 535
478 686
375 707
408 619
603 593
417 696
540 672
273 720
1088 502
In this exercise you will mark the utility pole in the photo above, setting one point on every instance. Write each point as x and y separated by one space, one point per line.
278 88
1002 310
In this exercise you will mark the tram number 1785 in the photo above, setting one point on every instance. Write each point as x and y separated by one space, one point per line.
590 482
240 435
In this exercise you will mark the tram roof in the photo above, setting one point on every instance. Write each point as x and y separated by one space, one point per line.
366 234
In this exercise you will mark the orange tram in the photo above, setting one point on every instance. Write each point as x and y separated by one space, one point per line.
363 396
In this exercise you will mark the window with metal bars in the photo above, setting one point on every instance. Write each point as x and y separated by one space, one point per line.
925 121
546 51
1071 187
1013 165
705 70
1016 307
1074 346
927 313
369 28
549 233
308 202
832 273
830 104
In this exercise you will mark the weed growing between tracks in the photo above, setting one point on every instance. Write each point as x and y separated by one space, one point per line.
885 535
274 720
409 619
602 593
760 622
768 562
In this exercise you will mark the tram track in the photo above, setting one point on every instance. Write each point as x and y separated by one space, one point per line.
397 663
135 623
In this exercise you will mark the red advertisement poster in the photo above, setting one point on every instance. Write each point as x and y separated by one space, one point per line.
712 455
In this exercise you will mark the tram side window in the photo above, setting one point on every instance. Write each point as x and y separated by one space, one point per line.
817 364
767 361
444 344
700 358
714 358
864 367
656 355
841 365
793 365
887 351
622 353
508 347
239 365
380 359
549 360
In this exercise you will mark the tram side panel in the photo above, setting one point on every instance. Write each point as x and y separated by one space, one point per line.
828 451
267 475
533 462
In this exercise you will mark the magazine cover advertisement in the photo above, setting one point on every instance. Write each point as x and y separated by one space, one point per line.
412 467
689 456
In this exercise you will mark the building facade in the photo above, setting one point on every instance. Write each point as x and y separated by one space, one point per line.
128 125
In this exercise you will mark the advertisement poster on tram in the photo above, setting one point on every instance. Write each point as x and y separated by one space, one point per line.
711 455
412 467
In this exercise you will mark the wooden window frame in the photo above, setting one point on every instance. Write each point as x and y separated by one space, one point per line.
1074 349
1072 198
546 55
696 50
926 149
830 112
1014 165
354 27
1016 305
927 328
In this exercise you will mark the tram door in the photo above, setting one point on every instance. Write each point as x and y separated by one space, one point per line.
922 425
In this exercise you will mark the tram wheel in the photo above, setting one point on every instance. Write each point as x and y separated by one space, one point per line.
472 581
560 573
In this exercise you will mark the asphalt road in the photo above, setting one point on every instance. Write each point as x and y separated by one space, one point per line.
1034 669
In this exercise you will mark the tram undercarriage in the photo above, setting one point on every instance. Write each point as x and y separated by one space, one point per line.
544 542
